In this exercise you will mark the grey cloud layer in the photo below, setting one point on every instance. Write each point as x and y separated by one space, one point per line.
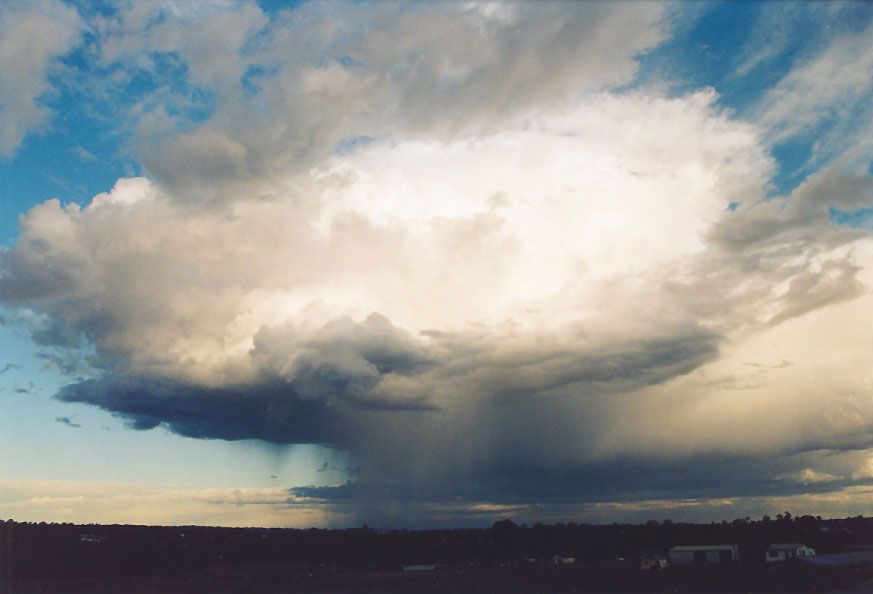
373 370
32 35
322 74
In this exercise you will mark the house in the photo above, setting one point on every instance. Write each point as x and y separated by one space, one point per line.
420 567
653 560
561 560
783 551
96 538
703 554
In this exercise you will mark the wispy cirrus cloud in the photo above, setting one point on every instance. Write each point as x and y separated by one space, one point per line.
826 95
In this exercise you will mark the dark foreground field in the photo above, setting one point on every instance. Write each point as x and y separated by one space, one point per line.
77 559
790 577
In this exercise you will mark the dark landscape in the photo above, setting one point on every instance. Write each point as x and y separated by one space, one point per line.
412 296
74 559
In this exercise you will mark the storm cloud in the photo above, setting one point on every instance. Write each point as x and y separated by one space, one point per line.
462 250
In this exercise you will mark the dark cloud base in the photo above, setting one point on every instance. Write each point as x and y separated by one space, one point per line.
270 412
624 480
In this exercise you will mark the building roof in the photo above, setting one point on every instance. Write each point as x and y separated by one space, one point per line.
787 545
718 547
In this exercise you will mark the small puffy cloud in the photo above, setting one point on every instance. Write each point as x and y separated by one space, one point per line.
33 34
68 422
128 190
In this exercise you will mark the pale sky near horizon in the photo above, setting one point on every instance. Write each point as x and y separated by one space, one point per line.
434 264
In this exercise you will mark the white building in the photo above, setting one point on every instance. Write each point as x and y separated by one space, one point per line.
420 567
703 554
787 550
653 560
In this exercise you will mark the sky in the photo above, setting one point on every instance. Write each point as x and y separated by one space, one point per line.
434 264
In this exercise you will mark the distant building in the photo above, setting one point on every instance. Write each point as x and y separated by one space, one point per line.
653 560
90 538
784 551
420 567
561 560
703 554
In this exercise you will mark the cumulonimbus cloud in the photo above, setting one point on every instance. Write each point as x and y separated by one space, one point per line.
545 299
